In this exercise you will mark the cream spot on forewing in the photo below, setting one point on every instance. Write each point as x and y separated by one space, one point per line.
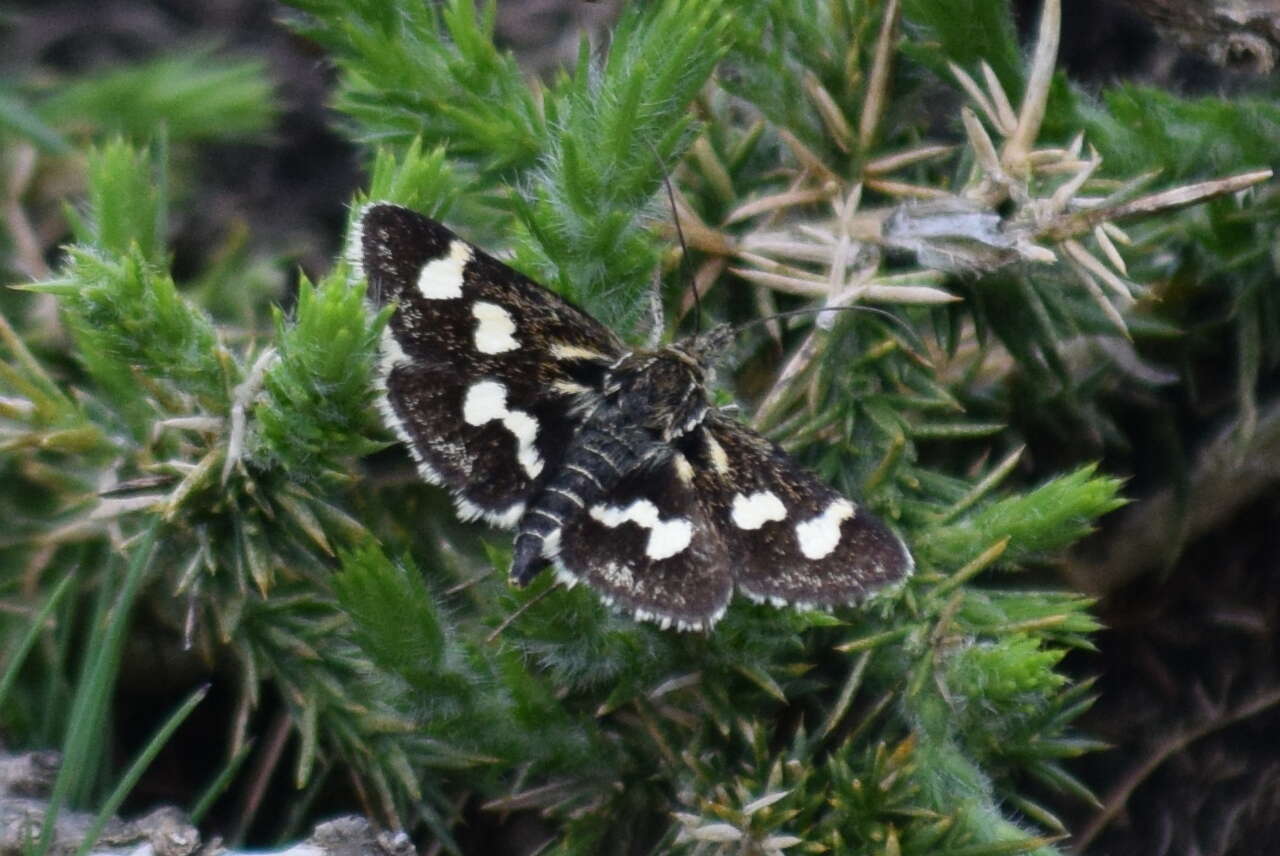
568 387
719 460
441 279
565 351
666 537
494 328
684 469
755 510
819 536
486 401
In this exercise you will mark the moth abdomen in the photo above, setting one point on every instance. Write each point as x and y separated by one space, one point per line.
598 457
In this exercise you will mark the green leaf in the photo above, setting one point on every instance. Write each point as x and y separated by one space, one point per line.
90 708
423 181
139 766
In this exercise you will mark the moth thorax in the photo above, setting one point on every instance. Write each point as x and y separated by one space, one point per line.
663 391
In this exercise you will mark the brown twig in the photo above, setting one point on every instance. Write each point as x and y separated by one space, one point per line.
265 767
1119 795
1230 472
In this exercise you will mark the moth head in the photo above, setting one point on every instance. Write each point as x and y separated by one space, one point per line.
709 348
663 390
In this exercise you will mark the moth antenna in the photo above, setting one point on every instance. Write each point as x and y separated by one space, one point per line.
684 257
820 309
684 249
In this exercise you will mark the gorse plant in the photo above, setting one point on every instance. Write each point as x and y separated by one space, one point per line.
228 459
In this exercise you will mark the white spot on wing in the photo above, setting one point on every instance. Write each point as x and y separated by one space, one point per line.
666 537
819 536
754 511
441 279
525 429
486 402
494 328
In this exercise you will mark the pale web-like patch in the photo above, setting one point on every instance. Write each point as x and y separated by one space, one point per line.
666 537
819 536
441 279
486 402
616 575
755 510
494 328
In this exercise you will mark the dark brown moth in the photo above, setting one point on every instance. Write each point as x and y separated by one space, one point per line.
609 462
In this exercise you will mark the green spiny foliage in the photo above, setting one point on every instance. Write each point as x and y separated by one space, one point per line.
906 726
433 73
128 204
195 96
613 130
317 404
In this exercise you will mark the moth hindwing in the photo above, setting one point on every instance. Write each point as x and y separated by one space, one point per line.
608 462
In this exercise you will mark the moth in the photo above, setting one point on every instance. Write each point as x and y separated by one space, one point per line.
609 462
